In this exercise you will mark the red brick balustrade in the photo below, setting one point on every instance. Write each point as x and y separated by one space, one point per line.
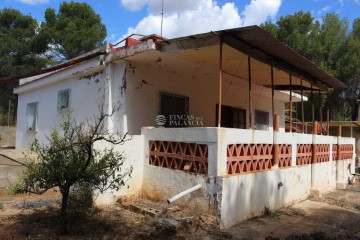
247 158
189 157
285 155
322 153
346 151
303 154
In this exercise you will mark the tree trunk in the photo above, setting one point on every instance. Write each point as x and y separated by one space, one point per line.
64 204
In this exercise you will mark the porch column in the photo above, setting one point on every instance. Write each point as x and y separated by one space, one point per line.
312 105
315 132
320 112
290 113
327 113
341 166
339 144
220 79
250 110
302 107
108 106
272 94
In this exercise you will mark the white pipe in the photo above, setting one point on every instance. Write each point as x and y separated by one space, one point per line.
180 195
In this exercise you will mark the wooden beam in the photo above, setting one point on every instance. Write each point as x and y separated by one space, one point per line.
220 79
290 113
302 108
327 112
320 112
272 92
250 110
312 106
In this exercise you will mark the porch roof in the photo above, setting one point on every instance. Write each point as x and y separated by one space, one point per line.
265 51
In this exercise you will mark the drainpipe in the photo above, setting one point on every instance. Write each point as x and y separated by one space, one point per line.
182 194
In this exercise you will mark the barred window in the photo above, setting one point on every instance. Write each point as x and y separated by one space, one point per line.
32 116
63 99
173 105
261 120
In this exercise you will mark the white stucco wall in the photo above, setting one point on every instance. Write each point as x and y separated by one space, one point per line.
201 90
345 167
85 98
160 183
247 195
132 151
323 174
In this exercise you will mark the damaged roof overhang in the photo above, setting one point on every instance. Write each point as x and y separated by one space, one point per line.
264 50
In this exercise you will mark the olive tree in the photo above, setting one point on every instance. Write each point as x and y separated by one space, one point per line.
69 158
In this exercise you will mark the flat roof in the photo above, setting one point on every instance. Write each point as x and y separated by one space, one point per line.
262 46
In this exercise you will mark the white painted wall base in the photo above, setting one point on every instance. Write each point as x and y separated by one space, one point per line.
248 195
133 153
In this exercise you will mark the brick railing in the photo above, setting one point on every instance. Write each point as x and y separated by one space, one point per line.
188 157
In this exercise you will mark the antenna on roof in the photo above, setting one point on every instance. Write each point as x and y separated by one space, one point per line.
162 16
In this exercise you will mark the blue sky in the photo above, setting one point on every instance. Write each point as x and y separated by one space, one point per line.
184 17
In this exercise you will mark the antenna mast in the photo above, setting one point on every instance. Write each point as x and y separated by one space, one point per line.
162 16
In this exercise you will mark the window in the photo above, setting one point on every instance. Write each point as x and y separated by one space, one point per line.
231 117
32 116
174 107
261 120
63 99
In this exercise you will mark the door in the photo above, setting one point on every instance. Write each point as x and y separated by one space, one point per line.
231 117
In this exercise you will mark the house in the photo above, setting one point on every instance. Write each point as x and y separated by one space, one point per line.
206 109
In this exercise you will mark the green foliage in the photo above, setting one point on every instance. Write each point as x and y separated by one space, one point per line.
22 48
331 45
71 161
26 44
297 31
83 28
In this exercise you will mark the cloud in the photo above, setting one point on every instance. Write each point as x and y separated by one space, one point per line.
188 17
170 6
34 2
258 11
111 37
324 10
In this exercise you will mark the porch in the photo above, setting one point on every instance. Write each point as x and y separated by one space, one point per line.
243 172
236 82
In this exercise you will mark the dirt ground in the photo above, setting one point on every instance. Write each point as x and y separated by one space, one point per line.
335 215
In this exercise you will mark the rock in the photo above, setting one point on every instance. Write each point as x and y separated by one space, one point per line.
165 228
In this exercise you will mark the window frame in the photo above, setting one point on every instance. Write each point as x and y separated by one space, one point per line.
61 93
36 117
